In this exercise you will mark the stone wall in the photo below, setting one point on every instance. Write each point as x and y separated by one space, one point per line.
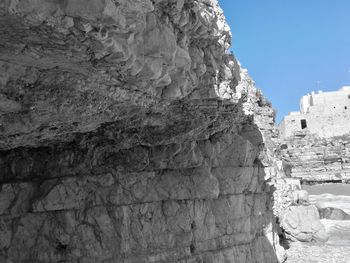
125 136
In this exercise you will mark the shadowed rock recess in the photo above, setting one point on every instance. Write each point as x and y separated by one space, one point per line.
130 134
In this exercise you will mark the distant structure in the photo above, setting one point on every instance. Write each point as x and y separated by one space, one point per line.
325 114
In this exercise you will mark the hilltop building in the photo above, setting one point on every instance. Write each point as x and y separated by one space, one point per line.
325 114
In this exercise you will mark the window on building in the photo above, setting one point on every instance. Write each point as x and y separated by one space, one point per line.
348 96
346 107
303 124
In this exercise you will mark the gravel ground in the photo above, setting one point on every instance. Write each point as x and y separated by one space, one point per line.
317 253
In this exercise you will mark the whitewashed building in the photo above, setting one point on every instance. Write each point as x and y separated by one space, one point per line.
326 114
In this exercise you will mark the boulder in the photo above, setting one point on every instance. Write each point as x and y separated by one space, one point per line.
302 223
333 213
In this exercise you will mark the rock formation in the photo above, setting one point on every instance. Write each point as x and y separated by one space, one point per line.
333 213
302 223
317 160
125 136
298 220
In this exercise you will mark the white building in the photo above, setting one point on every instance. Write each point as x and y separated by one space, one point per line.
326 114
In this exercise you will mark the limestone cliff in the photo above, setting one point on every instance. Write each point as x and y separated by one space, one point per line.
317 160
125 136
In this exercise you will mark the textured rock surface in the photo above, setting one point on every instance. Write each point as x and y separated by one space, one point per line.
300 197
333 213
125 138
317 160
68 66
302 223
311 253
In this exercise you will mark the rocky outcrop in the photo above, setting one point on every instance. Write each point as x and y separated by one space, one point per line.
302 223
316 160
256 105
333 213
283 194
298 220
125 136
70 66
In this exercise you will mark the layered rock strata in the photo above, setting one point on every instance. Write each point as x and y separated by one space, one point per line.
316 160
125 138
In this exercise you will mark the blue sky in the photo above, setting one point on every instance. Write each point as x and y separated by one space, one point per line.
288 46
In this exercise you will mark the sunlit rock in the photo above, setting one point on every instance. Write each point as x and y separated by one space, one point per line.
129 133
302 223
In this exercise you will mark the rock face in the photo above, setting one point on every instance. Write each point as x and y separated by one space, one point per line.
302 223
69 66
125 136
316 160
333 213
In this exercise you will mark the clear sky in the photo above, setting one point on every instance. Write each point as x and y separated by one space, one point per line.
288 46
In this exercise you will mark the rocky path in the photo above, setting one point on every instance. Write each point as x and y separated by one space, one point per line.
310 253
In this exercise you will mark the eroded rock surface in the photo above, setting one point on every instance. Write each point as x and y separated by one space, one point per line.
333 213
125 136
68 66
317 160
302 223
